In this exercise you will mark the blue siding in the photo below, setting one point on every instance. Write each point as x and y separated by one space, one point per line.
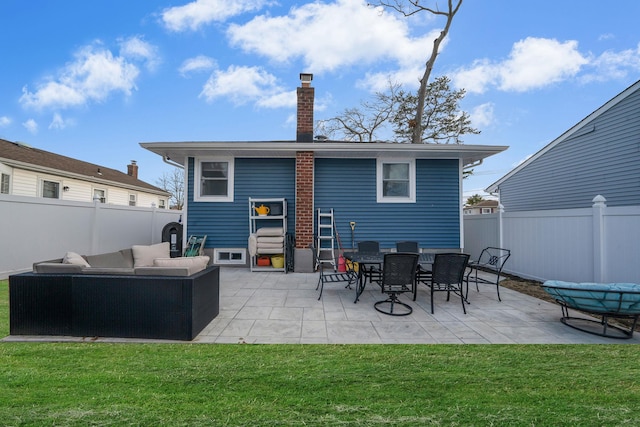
227 224
349 187
601 158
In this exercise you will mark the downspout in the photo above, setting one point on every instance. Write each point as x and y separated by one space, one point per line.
183 217
168 161
474 164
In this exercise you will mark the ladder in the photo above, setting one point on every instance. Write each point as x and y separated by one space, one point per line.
326 239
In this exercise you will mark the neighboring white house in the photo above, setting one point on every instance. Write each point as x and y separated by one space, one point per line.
482 208
28 171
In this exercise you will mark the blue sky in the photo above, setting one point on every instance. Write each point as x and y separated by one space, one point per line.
93 79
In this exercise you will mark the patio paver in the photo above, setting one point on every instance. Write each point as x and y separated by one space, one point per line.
272 307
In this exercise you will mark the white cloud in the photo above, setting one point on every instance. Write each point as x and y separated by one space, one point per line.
613 65
31 126
281 99
58 123
199 63
242 85
533 63
606 36
482 115
329 36
198 13
94 74
5 121
136 48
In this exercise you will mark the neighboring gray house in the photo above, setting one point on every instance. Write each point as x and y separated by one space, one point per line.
31 172
353 179
598 156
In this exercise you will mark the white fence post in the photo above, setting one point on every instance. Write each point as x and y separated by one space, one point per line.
500 213
599 207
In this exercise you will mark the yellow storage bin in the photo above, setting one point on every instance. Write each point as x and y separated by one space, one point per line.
277 261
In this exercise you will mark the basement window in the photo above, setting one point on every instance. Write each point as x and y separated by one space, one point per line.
229 256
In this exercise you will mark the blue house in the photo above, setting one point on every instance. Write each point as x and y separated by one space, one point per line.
392 192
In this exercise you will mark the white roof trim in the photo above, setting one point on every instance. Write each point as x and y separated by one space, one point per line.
178 151
568 134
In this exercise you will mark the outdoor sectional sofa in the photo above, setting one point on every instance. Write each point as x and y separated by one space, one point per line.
134 293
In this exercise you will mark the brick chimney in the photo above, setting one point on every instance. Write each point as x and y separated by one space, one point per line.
304 178
132 169
304 131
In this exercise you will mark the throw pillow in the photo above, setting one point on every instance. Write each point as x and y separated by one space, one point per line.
74 258
195 261
143 256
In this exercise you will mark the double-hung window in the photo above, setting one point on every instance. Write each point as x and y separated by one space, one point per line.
396 181
50 189
99 195
214 180
4 183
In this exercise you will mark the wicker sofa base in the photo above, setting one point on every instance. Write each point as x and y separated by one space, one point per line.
123 306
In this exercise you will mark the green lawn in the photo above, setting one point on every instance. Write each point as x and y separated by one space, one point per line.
335 385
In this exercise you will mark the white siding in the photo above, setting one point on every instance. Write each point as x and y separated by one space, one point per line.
27 183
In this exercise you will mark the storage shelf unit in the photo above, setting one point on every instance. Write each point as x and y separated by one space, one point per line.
276 218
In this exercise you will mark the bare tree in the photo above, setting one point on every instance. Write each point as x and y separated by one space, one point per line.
392 112
410 8
173 183
366 122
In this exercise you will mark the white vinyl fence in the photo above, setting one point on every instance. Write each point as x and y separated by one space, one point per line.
35 229
597 244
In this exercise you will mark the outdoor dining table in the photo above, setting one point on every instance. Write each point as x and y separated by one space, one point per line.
377 258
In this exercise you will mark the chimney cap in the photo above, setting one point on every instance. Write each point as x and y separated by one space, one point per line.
306 77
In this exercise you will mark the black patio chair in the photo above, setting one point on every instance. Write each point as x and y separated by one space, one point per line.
491 259
422 275
398 276
370 272
331 276
448 276
408 247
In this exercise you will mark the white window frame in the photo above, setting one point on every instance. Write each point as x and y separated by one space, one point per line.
133 198
485 211
5 180
93 190
197 179
230 256
162 204
411 198
42 181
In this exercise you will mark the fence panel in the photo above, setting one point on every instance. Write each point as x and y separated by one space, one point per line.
598 244
554 244
622 244
35 229
480 231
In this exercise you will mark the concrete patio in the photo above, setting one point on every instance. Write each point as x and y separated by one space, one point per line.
271 307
